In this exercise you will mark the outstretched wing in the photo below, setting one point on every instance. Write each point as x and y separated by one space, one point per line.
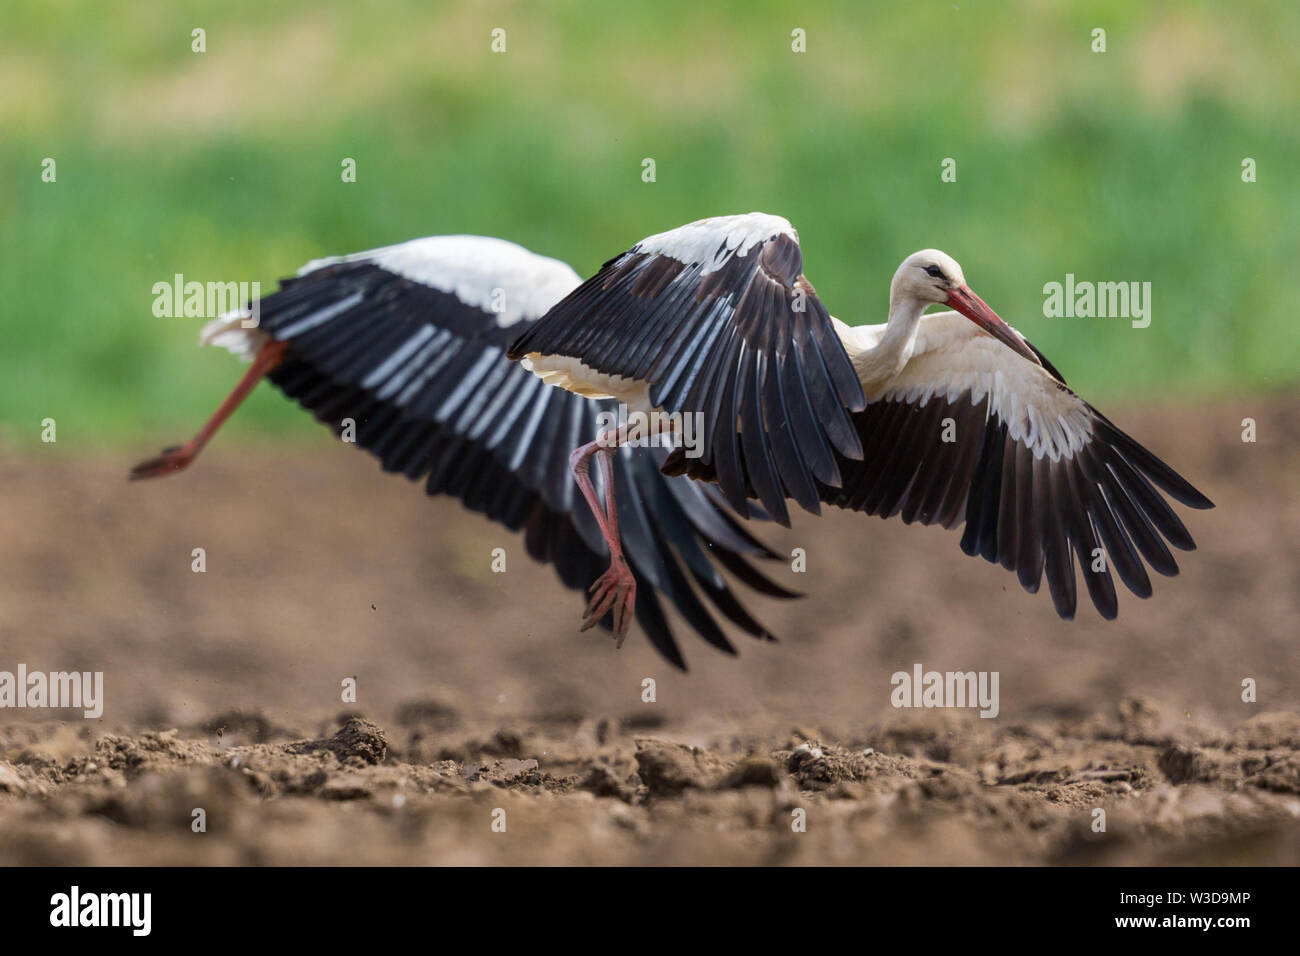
408 342
969 431
717 318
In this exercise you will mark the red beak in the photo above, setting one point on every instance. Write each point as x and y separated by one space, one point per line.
965 301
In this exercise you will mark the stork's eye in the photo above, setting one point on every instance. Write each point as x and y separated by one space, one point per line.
934 272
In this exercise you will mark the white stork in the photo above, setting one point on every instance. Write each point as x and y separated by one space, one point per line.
716 319
408 342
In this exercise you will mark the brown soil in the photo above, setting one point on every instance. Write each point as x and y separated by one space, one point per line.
476 693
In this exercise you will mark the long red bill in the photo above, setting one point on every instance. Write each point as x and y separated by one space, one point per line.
965 301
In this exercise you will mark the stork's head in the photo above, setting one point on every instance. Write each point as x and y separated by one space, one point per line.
926 276
931 276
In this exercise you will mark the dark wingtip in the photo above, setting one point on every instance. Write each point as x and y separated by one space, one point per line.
1168 569
518 347
1172 483
780 515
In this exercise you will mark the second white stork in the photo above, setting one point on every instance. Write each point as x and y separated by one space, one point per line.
938 418
404 347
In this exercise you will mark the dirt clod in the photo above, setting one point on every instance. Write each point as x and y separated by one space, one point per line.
667 768
358 740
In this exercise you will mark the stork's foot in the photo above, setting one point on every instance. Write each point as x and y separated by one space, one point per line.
176 458
615 590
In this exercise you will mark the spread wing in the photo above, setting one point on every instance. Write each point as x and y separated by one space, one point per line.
408 342
970 431
719 320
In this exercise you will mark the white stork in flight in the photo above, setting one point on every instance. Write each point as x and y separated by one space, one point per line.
715 319
408 343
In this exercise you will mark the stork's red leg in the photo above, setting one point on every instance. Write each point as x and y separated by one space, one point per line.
181 456
616 588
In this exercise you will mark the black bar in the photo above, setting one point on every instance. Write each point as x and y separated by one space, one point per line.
304 905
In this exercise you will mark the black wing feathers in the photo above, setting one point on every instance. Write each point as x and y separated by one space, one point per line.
425 380
1096 509
746 345
1039 518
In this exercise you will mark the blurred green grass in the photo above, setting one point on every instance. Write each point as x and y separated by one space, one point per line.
225 166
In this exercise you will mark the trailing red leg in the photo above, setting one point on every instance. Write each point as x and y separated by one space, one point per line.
181 456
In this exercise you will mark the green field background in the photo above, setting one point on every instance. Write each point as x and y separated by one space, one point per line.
225 166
